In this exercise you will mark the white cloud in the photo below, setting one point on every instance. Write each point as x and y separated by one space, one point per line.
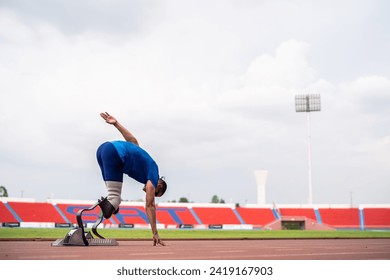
209 94
287 68
371 94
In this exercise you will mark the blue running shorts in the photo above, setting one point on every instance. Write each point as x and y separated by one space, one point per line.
110 163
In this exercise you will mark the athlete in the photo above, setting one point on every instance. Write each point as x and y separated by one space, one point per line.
127 157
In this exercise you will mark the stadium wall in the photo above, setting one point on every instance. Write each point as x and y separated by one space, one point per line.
26 212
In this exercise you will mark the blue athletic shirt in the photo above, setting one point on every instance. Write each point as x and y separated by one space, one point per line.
137 163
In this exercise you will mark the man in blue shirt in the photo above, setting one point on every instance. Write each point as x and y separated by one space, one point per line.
127 157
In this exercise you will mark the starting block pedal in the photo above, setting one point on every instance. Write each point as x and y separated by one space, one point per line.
74 238
78 237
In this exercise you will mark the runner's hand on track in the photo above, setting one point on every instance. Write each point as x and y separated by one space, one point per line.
157 240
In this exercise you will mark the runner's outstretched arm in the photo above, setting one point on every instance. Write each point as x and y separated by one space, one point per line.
129 137
150 208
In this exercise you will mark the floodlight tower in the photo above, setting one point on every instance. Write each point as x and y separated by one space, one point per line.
308 103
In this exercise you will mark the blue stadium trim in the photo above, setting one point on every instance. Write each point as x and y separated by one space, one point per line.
276 215
13 212
62 214
113 221
195 216
361 218
318 216
238 216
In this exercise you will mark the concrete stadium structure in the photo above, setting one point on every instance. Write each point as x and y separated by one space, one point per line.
61 213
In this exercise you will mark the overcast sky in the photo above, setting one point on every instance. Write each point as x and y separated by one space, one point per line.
208 89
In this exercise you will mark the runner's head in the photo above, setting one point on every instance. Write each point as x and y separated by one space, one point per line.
161 187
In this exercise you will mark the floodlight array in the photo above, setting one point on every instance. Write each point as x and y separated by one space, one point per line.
307 102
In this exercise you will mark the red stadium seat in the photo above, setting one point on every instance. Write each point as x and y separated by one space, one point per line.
303 212
377 217
5 215
256 216
210 215
36 212
340 217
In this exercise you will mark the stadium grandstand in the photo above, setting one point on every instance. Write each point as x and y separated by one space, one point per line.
22 212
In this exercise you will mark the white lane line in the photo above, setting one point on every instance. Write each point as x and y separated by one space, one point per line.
149 254
317 254
59 257
231 251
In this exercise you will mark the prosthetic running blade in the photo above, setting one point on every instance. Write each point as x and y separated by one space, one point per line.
79 237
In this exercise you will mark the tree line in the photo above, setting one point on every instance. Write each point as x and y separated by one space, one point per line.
214 199
3 191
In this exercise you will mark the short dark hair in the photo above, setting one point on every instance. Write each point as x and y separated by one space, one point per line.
164 185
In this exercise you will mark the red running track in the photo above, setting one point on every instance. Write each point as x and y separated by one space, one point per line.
307 249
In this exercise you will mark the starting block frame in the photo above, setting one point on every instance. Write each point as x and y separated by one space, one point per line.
79 237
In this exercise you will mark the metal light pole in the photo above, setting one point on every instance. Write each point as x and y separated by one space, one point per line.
308 103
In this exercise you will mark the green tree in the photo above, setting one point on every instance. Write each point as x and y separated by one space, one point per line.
3 192
183 199
216 199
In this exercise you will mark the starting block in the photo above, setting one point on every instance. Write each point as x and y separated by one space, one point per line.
79 237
